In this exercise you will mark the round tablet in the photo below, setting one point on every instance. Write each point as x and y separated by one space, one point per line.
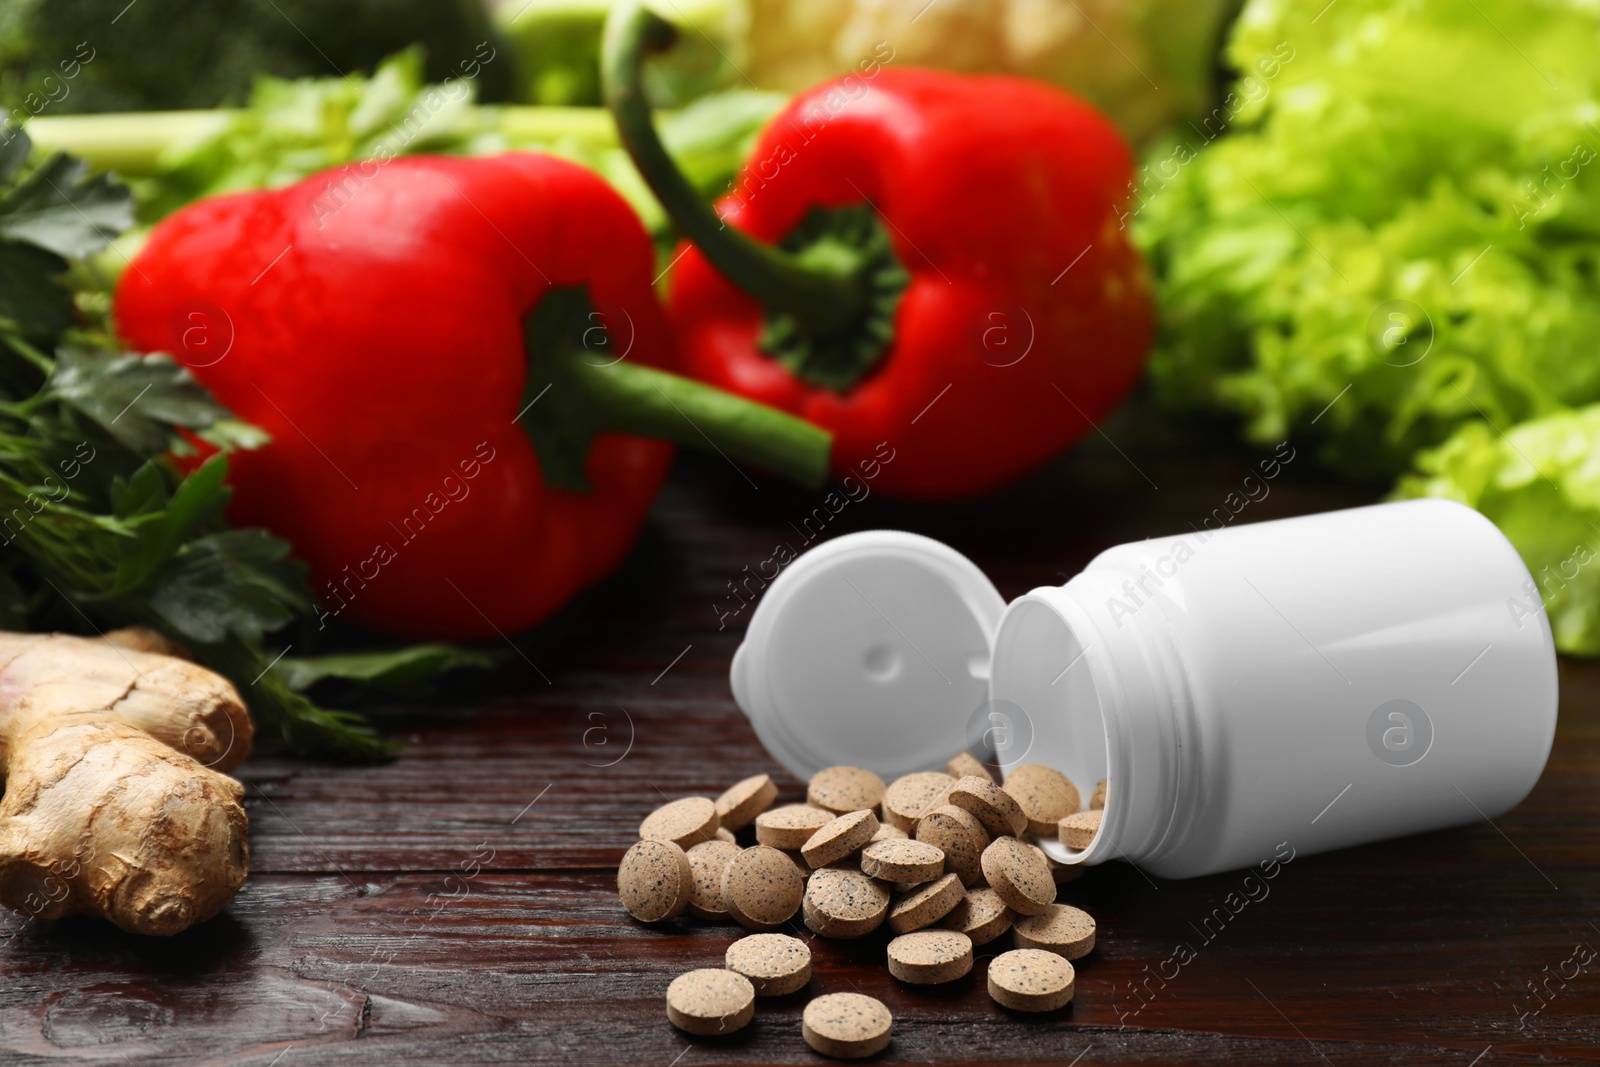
981 915
889 833
762 888
909 796
1025 979
790 826
1076 831
843 837
844 789
708 860
655 881
725 834
846 1025
989 804
685 822
1044 794
775 963
1060 928
959 836
740 803
1097 799
1017 872
842 904
710 1001
929 957
963 764
902 861
926 904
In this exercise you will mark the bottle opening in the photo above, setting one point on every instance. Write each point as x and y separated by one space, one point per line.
1042 668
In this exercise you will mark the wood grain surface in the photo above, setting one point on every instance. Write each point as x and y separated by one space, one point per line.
458 905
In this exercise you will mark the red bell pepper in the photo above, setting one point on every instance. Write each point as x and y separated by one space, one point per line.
911 256
453 358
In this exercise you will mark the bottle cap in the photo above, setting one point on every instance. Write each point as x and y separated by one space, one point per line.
870 650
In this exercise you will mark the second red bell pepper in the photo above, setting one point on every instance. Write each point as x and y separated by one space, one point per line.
927 259
460 363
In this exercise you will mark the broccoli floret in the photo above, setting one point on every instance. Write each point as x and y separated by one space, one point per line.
61 56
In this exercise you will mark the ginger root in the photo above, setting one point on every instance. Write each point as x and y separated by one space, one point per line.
114 802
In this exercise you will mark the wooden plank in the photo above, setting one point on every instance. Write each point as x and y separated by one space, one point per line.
457 905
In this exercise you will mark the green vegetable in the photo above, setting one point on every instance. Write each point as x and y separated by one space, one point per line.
1399 232
406 672
60 56
1540 483
1394 250
294 128
99 528
558 50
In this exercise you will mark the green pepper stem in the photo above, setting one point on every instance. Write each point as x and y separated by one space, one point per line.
650 403
821 299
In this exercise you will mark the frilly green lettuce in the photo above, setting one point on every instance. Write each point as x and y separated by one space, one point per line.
1540 483
1400 231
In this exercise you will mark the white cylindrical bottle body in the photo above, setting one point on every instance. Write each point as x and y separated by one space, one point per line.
1318 682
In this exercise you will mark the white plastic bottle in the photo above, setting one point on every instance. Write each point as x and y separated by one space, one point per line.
1322 681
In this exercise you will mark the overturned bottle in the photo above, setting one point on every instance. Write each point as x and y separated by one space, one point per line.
1324 681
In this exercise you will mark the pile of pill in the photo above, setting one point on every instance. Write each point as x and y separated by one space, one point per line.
942 858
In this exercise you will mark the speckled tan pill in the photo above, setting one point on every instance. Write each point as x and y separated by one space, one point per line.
963 764
790 826
1097 799
1060 873
1044 794
1060 928
981 915
840 839
1016 870
761 888
902 861
844 904
740 803
1028 980
930 957
776 964
910 795
685 822
847 1026
709 861
1078 830
844 789
989 804
725 834
926 904
655 881
710 1001
960 836
888 833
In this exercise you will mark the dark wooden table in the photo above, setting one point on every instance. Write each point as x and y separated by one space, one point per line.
458 905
